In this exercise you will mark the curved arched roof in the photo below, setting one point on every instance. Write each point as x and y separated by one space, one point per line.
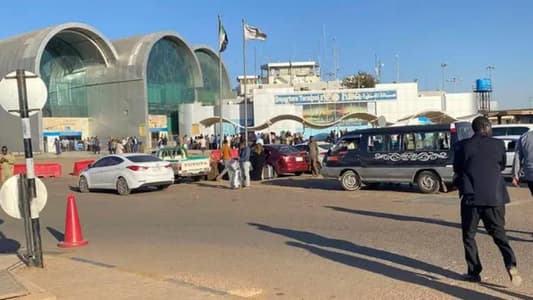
209 51
363 116
436 117
25 51
135 52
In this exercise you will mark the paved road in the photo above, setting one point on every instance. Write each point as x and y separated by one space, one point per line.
292 238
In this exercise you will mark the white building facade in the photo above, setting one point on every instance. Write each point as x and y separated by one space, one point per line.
393 102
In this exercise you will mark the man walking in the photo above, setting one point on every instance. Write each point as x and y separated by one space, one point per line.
7 162
478 163
313 155
523 160
225 153
244 160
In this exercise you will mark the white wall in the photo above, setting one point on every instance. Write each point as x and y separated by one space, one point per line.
193 113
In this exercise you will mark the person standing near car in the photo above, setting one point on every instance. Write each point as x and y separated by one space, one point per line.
257 159
523 160
478 163
244 161
313 156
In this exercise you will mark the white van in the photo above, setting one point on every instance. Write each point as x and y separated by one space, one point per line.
510 133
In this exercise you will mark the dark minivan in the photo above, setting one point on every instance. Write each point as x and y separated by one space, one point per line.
420 154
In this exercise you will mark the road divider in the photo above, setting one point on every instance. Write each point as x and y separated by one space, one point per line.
41 169
79 166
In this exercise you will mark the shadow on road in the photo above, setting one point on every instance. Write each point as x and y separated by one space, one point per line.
333 184
313 242
113 192
502 289
58 235
321 184
225 186
7 245
404 218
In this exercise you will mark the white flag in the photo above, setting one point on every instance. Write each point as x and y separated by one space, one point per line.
253 33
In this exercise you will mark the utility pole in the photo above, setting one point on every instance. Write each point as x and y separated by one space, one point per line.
443 93
397 57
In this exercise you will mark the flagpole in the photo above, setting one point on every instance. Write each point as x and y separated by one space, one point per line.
245 79
221 130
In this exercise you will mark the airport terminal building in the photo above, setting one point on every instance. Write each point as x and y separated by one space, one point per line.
97 87
157 84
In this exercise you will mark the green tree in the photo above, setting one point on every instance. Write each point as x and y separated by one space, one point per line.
359 80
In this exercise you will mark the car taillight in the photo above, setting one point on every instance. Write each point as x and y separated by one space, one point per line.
137 168
333 158
168 166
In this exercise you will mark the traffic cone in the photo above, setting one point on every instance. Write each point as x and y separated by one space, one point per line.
73 235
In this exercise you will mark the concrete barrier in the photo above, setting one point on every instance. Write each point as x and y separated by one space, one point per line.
79 166
41 169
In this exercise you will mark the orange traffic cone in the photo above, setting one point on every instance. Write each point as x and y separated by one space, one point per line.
73 236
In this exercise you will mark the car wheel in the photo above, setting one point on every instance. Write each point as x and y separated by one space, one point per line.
428 182
350 181
122 186
83 185
163 187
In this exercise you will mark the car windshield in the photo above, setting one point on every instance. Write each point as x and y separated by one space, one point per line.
287 149
503 131
324 146
143 158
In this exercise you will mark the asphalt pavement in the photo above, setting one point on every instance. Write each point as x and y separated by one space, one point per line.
290 238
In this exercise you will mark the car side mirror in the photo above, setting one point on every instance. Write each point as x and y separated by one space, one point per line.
89 166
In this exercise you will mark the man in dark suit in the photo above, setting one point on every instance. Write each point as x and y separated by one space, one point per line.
478 163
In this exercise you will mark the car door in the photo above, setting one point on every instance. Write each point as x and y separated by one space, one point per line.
96 170
110 172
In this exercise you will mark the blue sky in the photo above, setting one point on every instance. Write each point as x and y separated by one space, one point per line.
466 35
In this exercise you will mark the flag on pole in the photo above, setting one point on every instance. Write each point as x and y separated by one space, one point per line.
253 33
222 36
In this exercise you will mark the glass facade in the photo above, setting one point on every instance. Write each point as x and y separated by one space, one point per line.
169 79
64 71
209 94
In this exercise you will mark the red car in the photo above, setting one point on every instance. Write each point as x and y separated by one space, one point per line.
283 159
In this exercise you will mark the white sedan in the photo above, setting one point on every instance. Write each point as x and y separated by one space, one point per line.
125 173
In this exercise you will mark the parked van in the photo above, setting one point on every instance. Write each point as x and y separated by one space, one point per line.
510 133
420 154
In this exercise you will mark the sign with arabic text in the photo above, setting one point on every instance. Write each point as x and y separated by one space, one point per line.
338 96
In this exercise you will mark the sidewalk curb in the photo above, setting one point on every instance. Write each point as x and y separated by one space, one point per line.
35 292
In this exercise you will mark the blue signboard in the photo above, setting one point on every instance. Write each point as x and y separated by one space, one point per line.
62 133
335 97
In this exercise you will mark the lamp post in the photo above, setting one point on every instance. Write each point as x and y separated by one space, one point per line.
442 66
490 68
397 58
443 94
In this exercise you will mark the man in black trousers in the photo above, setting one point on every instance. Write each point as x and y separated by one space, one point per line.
478 163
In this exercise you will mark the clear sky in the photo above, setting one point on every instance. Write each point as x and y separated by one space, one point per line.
419 34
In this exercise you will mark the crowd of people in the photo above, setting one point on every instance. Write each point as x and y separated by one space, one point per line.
95 145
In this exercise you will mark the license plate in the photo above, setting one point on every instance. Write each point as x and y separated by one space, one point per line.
299 159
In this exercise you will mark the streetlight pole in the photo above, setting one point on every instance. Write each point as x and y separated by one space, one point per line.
490 68
443 93
397 57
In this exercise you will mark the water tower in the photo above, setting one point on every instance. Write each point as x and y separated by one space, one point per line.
484 95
